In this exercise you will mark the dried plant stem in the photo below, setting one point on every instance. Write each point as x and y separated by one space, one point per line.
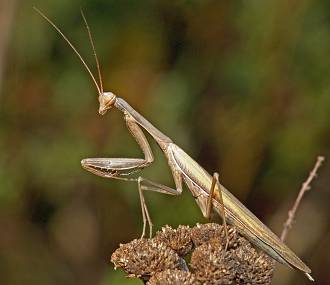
304 188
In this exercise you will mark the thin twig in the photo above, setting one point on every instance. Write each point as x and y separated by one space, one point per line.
304 188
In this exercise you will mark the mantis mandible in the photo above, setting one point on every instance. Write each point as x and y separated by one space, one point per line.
205 188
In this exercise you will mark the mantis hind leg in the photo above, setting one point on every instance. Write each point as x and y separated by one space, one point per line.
215 181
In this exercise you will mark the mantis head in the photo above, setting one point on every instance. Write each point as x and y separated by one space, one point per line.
106 100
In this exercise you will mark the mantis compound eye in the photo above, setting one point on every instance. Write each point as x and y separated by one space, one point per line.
106 100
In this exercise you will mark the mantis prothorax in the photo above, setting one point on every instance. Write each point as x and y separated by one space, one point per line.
205 188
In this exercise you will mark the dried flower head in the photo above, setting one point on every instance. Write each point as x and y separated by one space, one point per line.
203 233
173 277
157 260
178 239
143 257
213 265
255 267
241 263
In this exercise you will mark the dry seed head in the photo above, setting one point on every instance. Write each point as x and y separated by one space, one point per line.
240 264
203 233
213 265
143 257
255 267
178 239
173 277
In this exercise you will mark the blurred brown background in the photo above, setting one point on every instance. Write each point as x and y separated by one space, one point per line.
242 86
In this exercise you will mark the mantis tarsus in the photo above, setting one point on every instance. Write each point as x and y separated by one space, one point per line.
206 189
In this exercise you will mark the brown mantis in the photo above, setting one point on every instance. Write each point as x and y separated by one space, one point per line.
206 189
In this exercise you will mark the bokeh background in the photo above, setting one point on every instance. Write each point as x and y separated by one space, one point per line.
242 86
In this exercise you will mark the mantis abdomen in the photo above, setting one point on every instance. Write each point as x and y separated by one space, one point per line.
236 213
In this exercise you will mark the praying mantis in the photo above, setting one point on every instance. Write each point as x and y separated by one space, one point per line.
205 188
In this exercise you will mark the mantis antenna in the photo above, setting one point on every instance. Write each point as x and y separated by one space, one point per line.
99 89
94 50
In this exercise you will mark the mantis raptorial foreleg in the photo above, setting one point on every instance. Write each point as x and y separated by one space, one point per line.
140 138
120 168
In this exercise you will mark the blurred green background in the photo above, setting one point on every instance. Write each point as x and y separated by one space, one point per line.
242 86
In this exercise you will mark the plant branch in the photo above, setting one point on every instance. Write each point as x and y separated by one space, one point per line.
304 188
